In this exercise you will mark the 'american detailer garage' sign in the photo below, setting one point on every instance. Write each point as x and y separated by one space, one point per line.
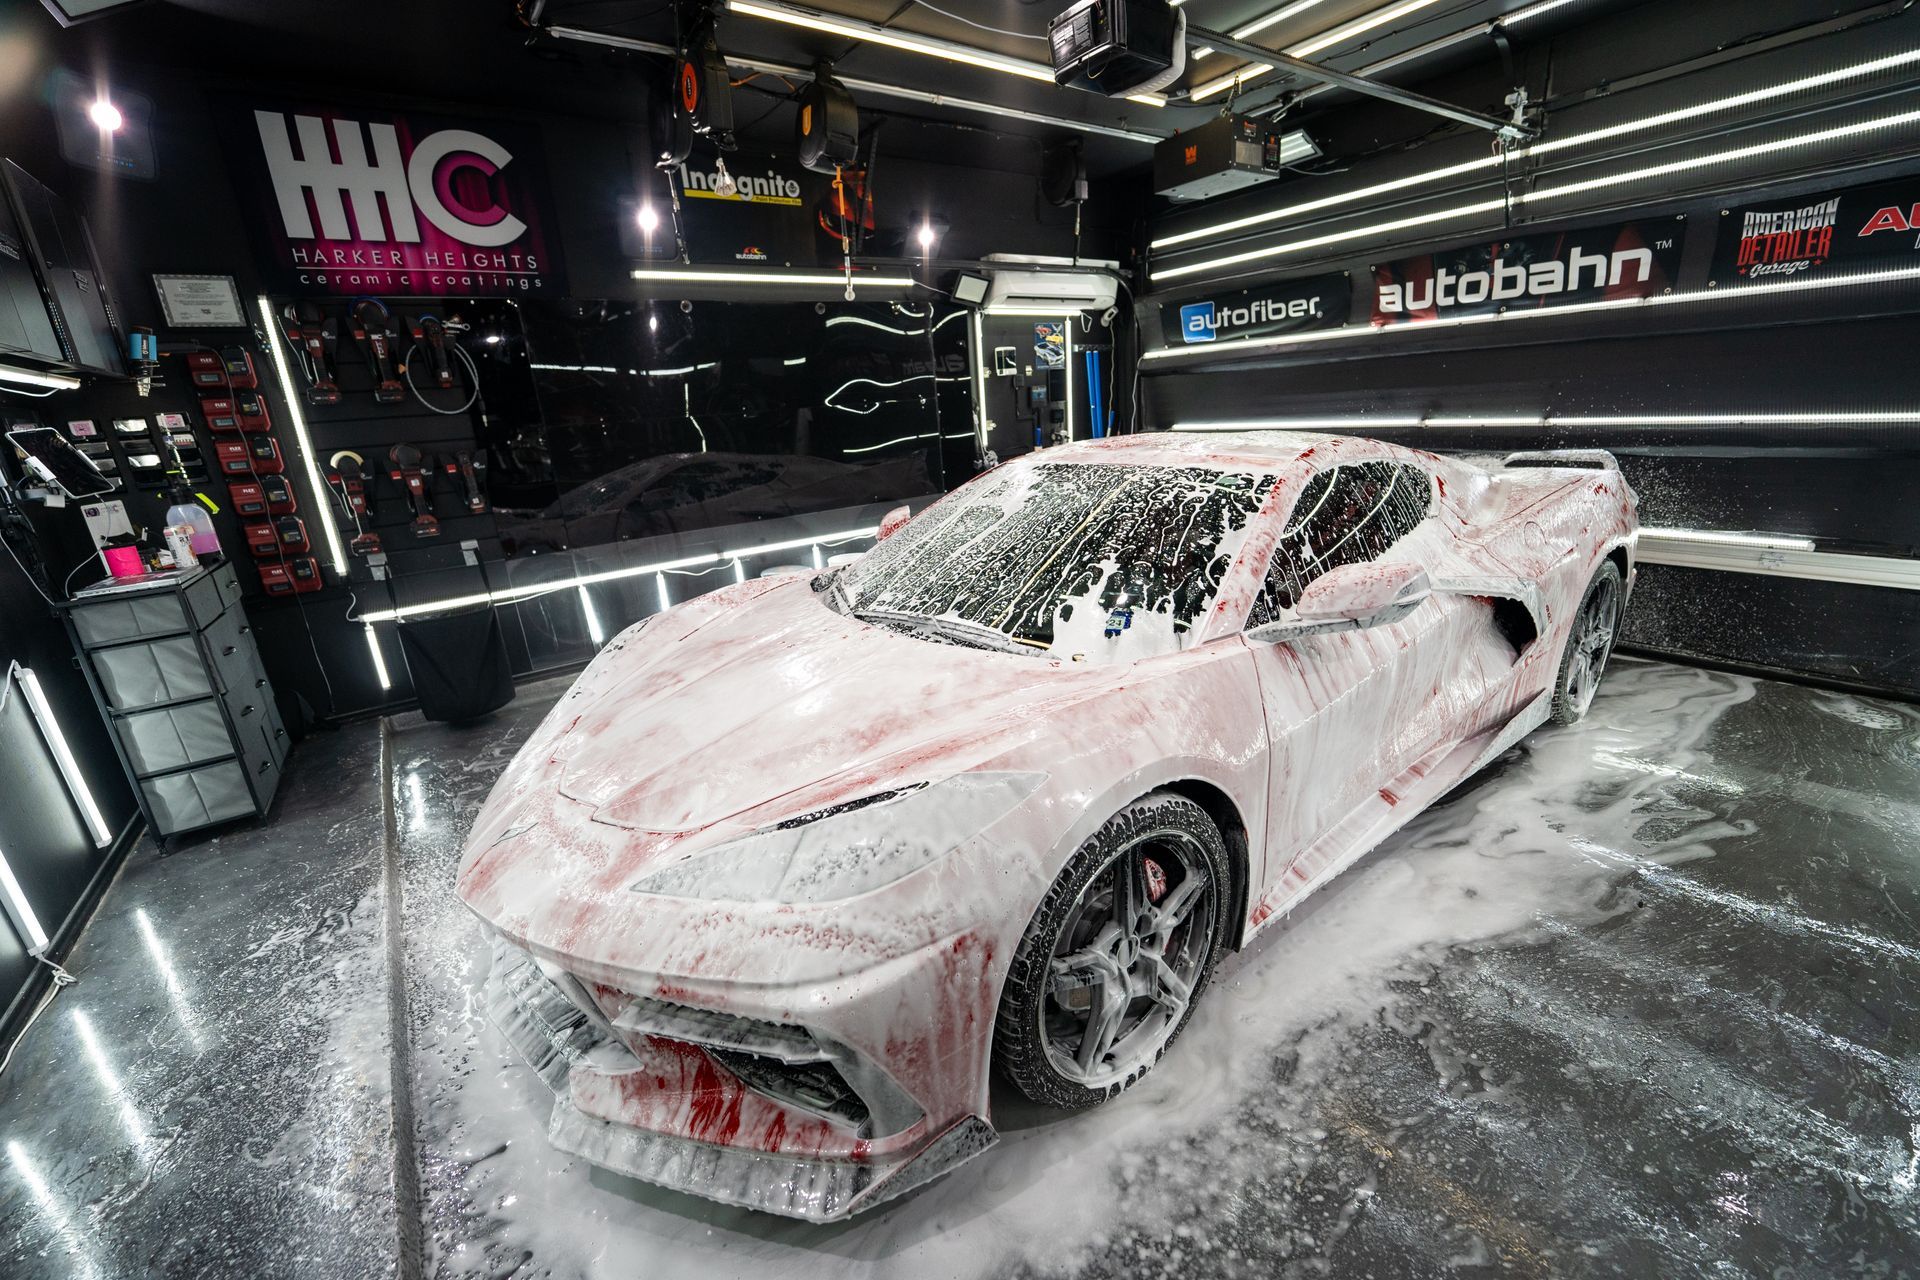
1587 264
1836 233
1291 306
355 201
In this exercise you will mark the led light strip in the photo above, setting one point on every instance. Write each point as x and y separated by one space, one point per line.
32 378
379 658
979 336
1761 541
676 275
63 759
1734 293
1780 556
852 29
322 498
528 591
21 910
1326 40
864 86
1546 194
1790 88
1357 422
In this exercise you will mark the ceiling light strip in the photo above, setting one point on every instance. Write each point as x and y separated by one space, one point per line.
1242 76
528 591
309 461
1907 57
908 42
859 85
1732 155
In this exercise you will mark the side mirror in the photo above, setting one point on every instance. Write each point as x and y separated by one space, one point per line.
1353 597
891 522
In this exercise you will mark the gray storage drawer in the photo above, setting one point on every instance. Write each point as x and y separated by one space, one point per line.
178 678
192 608
174 737
140 675
199 797
112 621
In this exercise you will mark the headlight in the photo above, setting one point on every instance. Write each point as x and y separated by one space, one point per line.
849 849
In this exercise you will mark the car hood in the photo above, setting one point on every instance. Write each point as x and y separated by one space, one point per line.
778 703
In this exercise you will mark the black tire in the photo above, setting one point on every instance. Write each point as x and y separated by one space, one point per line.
1589 644
1158 827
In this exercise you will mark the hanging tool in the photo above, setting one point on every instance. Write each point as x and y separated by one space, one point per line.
430 331
373 330
470 468
405 463
316 338
347 477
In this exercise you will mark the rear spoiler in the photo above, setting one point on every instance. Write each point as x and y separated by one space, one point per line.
1583 459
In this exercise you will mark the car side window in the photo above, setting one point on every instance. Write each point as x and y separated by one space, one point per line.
1347 514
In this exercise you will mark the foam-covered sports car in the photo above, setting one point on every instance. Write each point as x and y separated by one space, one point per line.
796 865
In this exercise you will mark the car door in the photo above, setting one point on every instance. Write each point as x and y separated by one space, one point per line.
1349 713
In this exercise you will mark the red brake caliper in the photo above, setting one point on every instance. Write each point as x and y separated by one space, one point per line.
1156 880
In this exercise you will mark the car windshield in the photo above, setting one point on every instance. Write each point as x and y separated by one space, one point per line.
1091 560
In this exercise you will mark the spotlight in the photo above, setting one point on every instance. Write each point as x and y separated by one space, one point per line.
926 237
105 116
653 324
649 219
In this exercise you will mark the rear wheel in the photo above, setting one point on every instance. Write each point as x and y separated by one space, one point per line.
1589 645
1117 955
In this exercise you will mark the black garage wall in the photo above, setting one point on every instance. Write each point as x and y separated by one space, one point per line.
191 219
1800 355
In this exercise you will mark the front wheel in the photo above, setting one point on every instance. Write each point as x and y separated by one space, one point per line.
1589 645
1117 955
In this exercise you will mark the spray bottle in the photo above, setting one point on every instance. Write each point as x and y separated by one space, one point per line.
186 511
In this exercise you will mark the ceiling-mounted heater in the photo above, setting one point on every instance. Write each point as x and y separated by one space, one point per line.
828 128
1035 286
1119 47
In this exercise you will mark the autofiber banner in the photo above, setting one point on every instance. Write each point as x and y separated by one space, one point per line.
1292 306
1527 273
352 201
1839 233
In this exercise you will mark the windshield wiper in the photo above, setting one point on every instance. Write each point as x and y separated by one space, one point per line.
958 630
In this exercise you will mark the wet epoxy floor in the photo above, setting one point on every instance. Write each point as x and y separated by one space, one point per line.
1640 1000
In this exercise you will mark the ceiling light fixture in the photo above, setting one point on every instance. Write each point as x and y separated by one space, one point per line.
1544 194
105 116
648 218
794 73
1643 124
1240 76
853 29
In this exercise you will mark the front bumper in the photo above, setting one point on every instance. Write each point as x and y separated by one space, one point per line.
766 1155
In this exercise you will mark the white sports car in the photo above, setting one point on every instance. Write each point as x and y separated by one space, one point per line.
796 865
